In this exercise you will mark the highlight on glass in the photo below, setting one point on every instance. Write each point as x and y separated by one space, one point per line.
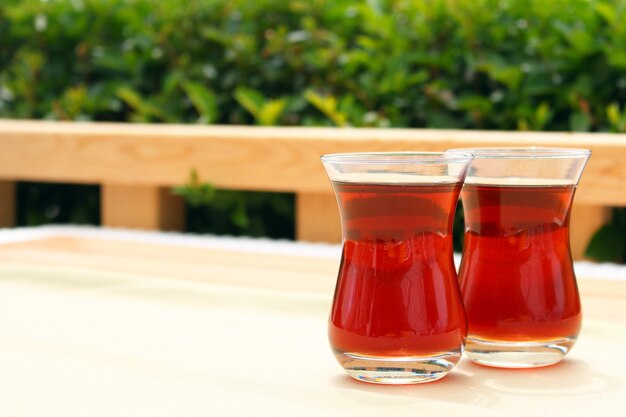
397 314
517 276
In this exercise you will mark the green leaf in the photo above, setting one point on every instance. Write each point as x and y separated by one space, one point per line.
271 112
130 97
616 56
510 76
265 113
441 120
612 112
239 216
251 100
543 114
203 100
580 122
582 41
606 11
475 102
522 124
328 106
194 192
608 244
418 77
142 106
172 81
616 118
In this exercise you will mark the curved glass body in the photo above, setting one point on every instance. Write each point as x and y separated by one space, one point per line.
397 314
517 276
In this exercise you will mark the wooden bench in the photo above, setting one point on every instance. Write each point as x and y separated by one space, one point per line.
136 165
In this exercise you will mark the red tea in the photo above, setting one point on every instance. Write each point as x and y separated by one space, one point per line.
516 275
397 292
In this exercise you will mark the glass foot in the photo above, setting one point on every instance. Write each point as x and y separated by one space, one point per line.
397 370
517 354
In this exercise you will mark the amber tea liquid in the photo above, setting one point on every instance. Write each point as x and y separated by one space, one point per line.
522 285
397 292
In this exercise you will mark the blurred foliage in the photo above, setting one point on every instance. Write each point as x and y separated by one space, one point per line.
76 204
256 214
470 64
609 243
211 210
458 227
479 64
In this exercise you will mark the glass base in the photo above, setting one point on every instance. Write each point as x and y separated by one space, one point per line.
517 354
397 370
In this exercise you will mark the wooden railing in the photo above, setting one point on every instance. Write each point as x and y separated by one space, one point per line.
137 164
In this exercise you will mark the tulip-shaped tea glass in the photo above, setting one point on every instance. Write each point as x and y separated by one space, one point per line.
516 275
397 315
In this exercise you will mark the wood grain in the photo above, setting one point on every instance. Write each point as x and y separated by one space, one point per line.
317 218
584 222
7 203
141 207
259 158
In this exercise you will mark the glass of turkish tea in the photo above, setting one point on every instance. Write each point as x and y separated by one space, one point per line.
397 314
517 276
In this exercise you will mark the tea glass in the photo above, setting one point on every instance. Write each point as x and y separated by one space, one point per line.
517 276
397 314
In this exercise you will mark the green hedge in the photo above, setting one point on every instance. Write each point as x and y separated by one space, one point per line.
472 64
514 64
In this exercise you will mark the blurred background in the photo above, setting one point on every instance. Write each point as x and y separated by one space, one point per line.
458 64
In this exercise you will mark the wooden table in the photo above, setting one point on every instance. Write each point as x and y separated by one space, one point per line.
100 327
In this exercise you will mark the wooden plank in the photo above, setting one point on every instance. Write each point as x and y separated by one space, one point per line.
317 218
239 157
584 222
141 207
7 203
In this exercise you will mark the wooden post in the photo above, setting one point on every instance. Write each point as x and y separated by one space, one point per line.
585 221
141 207
7 203
317 218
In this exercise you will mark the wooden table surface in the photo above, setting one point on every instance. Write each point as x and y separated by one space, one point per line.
97 327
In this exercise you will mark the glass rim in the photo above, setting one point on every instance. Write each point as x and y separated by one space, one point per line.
392 158
526 152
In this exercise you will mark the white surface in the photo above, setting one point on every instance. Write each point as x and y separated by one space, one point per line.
240 244
86 343
584 270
